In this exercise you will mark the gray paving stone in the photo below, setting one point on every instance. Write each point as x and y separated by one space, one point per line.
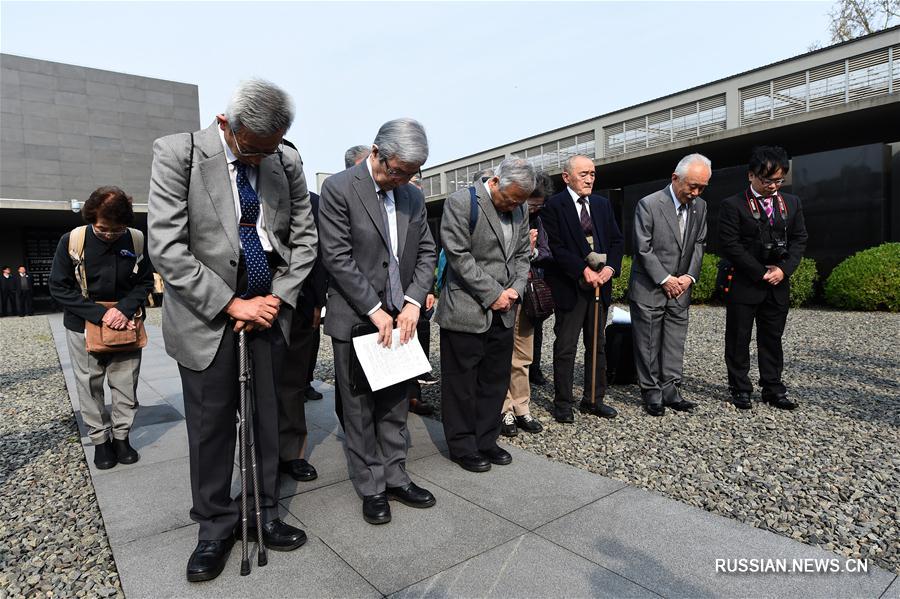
155 567
142 501
155 443
553 489
893 591
416 544
326 453
527 566
427 436
672 548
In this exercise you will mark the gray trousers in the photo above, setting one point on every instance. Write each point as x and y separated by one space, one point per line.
659 335
121 370
376 439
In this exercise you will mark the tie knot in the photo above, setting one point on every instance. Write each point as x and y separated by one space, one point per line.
582 200
382 194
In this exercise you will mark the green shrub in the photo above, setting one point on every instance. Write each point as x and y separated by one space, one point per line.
803 282
620 283
705 287
867 280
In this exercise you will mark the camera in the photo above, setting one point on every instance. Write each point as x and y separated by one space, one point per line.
775 251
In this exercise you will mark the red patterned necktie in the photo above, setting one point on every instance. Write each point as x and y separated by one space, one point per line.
767 206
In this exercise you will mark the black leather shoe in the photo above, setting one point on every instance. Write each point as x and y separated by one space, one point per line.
105 456
411 495
376 509
277 535
536 377
417 407
312 394
598 409
508 425
564 415
300 470
208 559
655 409
741 400
497 455
779 400
474 462
529 424
125 453
681 405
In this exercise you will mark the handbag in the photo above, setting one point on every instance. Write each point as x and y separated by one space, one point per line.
538 301
100 339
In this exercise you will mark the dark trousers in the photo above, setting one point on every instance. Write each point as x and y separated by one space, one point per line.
475 371
25 299
423 332
7 303
313 352
292 387
210 408
538 346
770 319
569 325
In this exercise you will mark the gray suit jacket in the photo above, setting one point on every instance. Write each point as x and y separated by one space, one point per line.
481 265
193 238
354 247
660 251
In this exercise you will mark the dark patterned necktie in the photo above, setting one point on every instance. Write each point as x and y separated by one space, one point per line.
682 225
767 206
394 291
259 277
586 225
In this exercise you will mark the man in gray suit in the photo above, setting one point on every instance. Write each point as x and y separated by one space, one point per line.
230 231
487 269
379 254
669 236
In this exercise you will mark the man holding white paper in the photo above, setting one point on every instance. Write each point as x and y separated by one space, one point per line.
376 246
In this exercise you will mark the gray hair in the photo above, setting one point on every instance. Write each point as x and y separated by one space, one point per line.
403 139
355 154
488 172
681 168
262 107
569 166
518 171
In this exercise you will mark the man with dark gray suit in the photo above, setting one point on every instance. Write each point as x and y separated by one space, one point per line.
230 231
487 270
669 236
380 257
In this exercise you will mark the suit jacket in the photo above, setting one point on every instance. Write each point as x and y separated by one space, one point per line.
354 247
481 265
18 278
9 285
570 248
312 293
660 251
740 244
194 244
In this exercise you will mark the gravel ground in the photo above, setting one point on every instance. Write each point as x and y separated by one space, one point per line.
826 474
52 539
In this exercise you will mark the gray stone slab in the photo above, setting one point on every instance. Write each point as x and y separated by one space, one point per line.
416 544
141 501
527 566
326 453
531 491
426 435
155 443
893 591
672 548
154 567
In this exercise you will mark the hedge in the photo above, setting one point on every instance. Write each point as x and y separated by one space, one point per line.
867 280
803 282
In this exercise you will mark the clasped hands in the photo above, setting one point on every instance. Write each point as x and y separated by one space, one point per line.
114 319
597 278
675 286
774 275
406 322
506 301
254 313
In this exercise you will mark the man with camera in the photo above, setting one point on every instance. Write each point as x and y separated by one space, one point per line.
762 238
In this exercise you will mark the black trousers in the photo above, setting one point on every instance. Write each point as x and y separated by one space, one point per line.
25 300
569 325
7 303
210 409
299 355
535 365
475 371
770 318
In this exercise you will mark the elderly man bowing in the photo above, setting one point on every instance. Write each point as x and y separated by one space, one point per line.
379 253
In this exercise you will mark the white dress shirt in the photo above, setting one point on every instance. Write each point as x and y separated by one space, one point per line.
576 197
252 176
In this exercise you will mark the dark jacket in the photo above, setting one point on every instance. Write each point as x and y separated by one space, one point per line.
110 278
544 256
312 293
741 245
570 248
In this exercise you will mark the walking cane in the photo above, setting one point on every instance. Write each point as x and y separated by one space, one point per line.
245 376
594 356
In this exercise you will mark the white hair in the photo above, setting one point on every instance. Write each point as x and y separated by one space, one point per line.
262 107
681 168
515 170
403 139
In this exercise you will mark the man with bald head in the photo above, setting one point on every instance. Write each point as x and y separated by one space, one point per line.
586 244
669 236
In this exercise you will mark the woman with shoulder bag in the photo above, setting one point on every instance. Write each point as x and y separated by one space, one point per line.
101 279
536 306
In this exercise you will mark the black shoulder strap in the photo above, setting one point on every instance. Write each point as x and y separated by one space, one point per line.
190 165
473 210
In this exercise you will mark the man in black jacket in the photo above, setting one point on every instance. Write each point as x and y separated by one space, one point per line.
7 293
25 292
762 237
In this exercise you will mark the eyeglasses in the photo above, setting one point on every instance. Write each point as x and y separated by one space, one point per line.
395 173
255 154
765 181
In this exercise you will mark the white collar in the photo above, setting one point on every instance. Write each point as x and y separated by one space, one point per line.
389 193
229 155
575 196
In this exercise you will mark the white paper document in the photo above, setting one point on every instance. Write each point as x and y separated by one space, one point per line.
619 316
386 366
